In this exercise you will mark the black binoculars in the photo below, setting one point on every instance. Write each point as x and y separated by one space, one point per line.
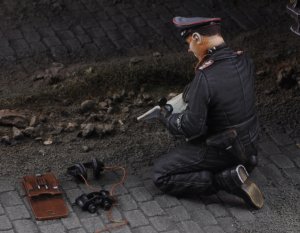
90 202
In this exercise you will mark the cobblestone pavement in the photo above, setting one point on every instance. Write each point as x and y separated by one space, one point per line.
150 211
60 30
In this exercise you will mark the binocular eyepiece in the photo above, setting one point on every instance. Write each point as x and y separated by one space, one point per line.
90 202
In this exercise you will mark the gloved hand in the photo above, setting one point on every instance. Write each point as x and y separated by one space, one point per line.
165 112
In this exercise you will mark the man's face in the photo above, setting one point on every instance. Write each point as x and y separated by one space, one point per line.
195 45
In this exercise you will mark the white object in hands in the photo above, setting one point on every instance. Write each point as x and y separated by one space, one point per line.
176 102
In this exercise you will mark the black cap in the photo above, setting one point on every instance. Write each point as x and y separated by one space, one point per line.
205 26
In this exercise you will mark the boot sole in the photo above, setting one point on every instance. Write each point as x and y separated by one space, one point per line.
252 194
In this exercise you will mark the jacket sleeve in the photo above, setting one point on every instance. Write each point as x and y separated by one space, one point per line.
192 122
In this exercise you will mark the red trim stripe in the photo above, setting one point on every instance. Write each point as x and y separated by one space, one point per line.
206 21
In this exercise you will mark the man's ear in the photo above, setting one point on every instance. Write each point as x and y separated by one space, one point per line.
197 37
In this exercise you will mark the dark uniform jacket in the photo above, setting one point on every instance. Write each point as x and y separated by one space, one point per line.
221 96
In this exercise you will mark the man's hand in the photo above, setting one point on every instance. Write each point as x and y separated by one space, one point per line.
165 112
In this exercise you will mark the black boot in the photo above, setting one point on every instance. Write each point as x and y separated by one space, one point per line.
236 181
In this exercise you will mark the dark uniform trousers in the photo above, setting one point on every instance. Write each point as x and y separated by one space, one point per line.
220 97
190 168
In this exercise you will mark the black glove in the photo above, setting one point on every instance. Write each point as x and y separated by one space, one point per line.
165 112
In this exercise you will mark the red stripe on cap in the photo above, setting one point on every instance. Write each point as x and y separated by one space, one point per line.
206 21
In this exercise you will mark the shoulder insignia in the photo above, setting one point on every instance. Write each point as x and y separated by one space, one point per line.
206 64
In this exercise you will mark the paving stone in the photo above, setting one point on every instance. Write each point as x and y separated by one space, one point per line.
227 224
190 227
242 215
147 229
118 19
178 213
166 201
25 226
103 43
14 34
293 174
1 210
147 173
71 221
96 32
38 47
79 230
297 161
211 199
120 190
51 41
9 231
90 50
92 6
72 45
101 15
21 47
127 202
282 161
61 24
136 218
68 184
114 35
6 185
72 194
258 177
151 208
6 51
123 229
46 32
5 223
153 190
4 42
269 147
17 212
174 231
47 222
218 210
213 229
272 173
281 139
204 217
292 150
11 198
65 35
83 214
133 181
84 39
27 28
32 36
88 23
78 30
57 228
138 22
140 194
92 224
58 52
162 223
192 204
115 214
